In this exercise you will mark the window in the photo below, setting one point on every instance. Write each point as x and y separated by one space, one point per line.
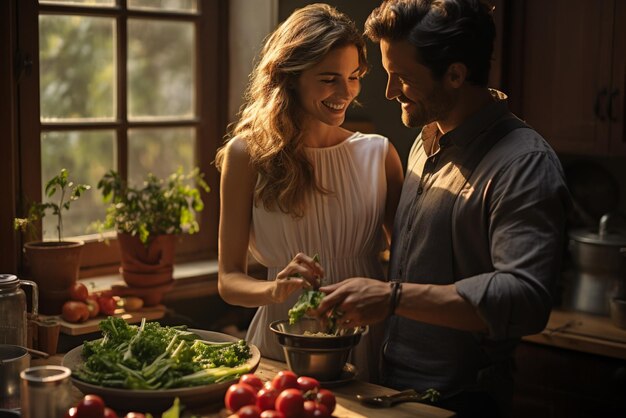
131 85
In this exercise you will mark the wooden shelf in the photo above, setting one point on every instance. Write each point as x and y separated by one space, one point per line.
92 325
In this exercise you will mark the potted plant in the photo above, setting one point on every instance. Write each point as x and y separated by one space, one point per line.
54 265
147 221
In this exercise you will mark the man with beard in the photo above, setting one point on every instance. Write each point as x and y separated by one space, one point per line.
478 234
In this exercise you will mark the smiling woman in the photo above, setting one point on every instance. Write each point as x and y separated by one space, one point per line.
295 182
326 90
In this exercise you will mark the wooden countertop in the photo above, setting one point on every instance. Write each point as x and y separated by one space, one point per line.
349 407
583 332
347 404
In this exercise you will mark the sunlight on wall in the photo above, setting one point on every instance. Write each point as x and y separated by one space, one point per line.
250 22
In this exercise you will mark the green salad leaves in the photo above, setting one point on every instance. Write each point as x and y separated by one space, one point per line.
151 356
309 299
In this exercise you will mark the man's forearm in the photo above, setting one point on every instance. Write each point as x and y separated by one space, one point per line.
438 305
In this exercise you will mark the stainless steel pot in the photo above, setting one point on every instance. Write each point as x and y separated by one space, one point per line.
599 259
13 359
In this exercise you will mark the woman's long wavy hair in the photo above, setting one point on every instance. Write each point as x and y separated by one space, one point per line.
269 120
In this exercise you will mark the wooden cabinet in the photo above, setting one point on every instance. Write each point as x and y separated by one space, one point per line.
566 72
553 382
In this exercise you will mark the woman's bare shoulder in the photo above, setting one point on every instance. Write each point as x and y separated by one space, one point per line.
236 151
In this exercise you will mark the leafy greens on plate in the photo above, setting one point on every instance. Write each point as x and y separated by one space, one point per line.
151 356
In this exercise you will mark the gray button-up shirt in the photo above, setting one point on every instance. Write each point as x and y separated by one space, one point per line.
499 238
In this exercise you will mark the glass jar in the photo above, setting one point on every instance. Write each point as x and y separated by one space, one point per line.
13 323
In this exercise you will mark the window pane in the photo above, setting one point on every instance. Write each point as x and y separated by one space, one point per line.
77 67
159 151
160 69
81 2
87 156
165 5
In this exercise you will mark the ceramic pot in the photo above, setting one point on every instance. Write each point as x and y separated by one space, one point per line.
147 269
54 266
147 265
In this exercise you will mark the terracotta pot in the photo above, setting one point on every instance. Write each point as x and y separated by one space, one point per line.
147 280
151 296
54 266
147 265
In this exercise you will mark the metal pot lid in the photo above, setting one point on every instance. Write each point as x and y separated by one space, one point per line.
590 236
8 280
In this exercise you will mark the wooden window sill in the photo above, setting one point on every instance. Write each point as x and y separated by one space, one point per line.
191 280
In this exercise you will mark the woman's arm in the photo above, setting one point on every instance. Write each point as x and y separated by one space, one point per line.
395 178
236 194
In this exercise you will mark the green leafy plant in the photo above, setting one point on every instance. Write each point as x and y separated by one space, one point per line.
161 206
69 192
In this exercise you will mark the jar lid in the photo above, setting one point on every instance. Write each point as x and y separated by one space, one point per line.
8 280
590 236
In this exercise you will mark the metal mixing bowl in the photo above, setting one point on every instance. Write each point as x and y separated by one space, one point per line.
321 357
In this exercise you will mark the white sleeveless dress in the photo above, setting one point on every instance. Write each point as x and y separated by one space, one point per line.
343 227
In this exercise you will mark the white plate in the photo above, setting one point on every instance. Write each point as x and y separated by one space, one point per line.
159 400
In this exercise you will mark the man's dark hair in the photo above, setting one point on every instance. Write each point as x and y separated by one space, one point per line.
442 31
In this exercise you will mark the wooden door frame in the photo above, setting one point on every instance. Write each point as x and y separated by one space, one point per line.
9 166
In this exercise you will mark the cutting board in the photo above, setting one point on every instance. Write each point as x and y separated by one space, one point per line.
92 325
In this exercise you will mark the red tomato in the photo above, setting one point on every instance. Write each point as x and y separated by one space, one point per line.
134 415
91 406
92 305
327 398
314 409
290 402
109 413
284 380
73 311
306 383
107 293
107 305
252 380
266 398
71 413
249 411
239 395
79 292
270 413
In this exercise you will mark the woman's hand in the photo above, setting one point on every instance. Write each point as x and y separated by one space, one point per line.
302 272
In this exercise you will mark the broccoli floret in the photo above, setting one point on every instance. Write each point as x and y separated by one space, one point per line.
116 331
149 344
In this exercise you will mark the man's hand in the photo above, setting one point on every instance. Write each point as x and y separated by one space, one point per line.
357 301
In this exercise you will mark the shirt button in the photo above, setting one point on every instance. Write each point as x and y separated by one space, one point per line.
420 190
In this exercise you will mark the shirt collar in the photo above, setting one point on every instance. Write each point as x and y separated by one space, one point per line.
471 128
